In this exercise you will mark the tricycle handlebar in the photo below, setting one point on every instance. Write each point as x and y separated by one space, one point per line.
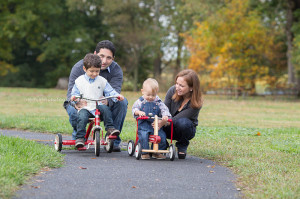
96 100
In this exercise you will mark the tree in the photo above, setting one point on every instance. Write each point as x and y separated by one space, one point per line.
43 40
232 43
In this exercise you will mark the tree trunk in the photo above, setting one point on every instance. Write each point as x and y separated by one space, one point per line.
178 57
158 53
289 35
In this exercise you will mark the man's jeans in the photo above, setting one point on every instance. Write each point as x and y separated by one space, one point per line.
183 131
119 110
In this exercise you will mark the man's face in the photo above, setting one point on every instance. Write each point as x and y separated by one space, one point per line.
106 57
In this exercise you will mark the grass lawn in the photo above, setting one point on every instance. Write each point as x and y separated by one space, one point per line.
259 139
20 159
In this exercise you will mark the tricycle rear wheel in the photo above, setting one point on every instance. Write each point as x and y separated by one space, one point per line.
109 144
58 142
130 148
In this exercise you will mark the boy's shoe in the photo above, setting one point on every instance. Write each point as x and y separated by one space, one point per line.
145 156
113 131
79 142
181 155
158 156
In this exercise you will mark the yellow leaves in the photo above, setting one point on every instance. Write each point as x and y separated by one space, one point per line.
231 43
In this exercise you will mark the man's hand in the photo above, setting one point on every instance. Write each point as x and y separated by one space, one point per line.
105 102
120 98
80 104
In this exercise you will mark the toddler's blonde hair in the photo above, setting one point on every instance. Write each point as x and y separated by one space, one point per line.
151 83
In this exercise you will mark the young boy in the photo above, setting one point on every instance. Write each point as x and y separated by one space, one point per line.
92 86
150 103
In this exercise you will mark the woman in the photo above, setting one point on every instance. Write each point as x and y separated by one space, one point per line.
184 101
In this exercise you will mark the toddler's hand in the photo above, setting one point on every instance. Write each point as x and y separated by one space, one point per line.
141 113
165 118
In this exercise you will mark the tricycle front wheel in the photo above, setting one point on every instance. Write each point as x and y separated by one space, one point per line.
97 143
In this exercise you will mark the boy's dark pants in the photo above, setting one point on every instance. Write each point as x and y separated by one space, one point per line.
83 119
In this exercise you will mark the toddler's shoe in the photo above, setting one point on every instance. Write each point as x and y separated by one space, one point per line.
158 156
145 156
79 142
113 131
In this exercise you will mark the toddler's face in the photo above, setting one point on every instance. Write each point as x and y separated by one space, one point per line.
148 94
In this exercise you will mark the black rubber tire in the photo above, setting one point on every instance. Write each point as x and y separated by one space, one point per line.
97 143
58 142
130 148
172 152
138 151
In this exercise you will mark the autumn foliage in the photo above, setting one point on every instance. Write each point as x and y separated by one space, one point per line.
232 47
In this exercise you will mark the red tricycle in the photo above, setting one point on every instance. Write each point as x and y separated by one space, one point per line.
94 129
135 147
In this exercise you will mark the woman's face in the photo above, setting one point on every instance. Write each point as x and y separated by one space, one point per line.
182 87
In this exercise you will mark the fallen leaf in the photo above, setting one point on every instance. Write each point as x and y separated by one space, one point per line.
134 187
94 158
40 180
258 134
82 168
211 171
213 166
36 187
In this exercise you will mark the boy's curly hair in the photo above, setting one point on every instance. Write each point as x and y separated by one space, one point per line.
91 60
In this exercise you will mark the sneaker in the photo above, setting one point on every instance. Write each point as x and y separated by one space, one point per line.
145 156
158 156
116 149
181 155
113 131
79 142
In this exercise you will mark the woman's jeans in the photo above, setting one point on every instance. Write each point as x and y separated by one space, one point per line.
183 131
118 110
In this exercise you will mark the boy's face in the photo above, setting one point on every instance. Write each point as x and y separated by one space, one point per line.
106 57
92 72
148 94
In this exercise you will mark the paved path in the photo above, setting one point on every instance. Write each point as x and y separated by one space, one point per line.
116 175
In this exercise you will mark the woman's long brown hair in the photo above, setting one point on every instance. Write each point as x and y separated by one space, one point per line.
193 81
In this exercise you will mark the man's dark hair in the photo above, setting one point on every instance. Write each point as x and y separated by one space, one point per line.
91 60
106 44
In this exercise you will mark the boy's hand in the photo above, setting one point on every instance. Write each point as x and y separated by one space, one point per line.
73 98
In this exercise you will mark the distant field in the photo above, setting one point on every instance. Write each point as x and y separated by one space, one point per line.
259 139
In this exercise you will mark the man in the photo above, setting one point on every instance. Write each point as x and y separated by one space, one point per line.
111 71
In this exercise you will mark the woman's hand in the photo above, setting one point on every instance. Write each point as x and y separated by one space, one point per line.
161 123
